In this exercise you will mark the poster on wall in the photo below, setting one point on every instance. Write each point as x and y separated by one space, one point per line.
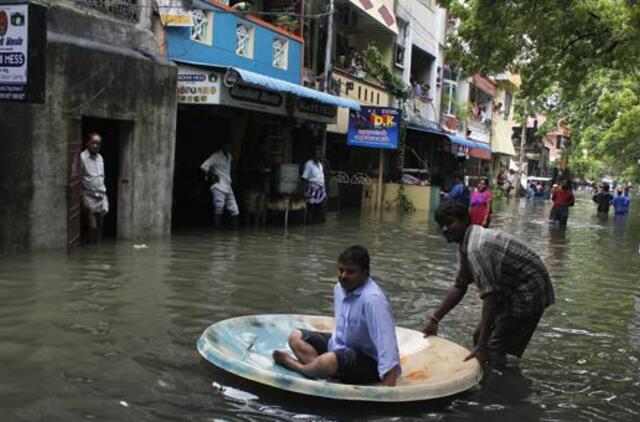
22 52
198 86
374 127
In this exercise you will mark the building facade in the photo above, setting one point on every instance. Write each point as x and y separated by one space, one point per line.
104 73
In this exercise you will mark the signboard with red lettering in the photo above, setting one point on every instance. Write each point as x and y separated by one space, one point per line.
22 52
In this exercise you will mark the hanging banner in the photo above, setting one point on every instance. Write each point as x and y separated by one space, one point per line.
173 13
22 52
374 127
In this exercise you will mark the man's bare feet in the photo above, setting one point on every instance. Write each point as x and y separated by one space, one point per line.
283 358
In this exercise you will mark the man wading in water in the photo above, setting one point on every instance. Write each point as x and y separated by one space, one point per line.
363 348
513 283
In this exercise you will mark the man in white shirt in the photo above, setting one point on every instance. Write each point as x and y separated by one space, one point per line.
94 193
217 170
313 182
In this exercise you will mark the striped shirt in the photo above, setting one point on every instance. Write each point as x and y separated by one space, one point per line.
499 263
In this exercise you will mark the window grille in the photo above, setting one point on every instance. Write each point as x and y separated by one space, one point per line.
202 26
280 53
244 44
126 9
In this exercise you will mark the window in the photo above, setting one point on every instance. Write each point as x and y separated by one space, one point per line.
399 59
508 100
202 26
244 40
449 94
280 53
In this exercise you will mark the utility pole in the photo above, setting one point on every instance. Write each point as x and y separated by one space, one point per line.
327 67
328 48
523 141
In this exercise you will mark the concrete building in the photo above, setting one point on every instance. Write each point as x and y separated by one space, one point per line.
104 72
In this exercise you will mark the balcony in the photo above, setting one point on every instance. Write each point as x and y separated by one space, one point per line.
361 89
420 110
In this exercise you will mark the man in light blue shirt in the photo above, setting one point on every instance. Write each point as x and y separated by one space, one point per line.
363 348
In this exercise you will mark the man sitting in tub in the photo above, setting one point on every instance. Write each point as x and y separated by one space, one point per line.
363 348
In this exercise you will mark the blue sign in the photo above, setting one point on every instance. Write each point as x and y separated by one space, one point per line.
374 127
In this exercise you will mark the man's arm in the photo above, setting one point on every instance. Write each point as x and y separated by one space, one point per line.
489 308
451 299
382 332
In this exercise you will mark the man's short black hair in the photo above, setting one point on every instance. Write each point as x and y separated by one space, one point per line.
449 210
356 255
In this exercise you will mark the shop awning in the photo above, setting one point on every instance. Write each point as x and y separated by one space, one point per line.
274 84
452 137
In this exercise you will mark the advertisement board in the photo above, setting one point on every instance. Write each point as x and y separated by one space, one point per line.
374 127
198 86
22 52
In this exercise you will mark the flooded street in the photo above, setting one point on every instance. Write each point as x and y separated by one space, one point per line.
109 332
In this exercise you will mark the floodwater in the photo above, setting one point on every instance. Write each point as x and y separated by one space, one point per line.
109 332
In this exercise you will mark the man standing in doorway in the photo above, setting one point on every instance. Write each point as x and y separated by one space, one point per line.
217 170
313 181
95 204
512 280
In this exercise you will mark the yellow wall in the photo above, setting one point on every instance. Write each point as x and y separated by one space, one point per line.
420 196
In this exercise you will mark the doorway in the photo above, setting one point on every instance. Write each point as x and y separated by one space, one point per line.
111 132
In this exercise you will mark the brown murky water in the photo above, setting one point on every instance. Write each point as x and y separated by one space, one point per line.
108 333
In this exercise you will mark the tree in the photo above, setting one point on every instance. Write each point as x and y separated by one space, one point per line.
545 41
578 60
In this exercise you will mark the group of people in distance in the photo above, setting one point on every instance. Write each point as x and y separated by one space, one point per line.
511 279
606 199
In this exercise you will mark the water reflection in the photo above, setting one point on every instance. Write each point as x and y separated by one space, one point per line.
109 332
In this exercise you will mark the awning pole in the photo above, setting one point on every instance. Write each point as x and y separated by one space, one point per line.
380 171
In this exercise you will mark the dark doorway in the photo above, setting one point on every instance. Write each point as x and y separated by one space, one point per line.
110 132
199 134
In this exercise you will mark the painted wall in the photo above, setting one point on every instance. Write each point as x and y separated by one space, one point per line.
222 51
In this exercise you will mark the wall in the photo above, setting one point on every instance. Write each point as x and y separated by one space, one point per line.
86 76
222 51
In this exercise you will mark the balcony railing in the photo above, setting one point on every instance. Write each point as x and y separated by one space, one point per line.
126 9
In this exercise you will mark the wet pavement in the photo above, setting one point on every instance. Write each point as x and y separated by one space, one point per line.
109 332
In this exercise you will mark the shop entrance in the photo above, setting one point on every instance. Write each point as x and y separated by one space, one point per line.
199 133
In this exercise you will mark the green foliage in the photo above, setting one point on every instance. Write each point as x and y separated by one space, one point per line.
404 203
604 115
376 67
546 41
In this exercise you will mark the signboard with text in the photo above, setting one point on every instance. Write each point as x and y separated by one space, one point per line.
374 127
22 52
198 86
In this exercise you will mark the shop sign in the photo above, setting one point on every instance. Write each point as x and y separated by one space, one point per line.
253 98
462 151
198 86
374 127
309 109
22 52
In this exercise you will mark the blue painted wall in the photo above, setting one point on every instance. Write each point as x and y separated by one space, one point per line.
222 50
